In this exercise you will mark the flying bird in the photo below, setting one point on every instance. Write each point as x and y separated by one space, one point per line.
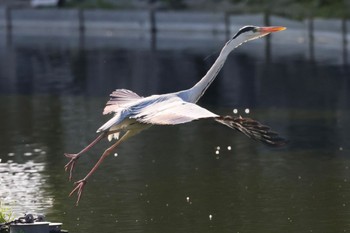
132 113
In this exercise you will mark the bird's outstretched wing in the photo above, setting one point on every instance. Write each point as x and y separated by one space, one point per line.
120 98
253 129
171 112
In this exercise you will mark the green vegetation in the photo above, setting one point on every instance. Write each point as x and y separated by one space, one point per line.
300 8
289 8
6 214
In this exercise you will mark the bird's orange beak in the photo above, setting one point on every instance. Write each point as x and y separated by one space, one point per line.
272 29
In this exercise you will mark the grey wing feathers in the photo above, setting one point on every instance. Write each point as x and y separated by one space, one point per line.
171 112
116 119
120 98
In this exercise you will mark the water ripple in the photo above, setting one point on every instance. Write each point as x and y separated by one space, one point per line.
23 187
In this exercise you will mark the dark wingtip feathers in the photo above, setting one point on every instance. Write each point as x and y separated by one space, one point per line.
253 129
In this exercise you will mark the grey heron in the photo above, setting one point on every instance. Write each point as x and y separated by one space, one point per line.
133 113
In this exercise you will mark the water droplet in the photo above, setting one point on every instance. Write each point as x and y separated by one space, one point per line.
299 177
217 152
235 111
218 148
247 111
11 154
37 150
188 199
115 154
229 148
27 153
340 148
210 217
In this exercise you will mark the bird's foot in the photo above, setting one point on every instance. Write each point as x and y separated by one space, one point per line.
79 189
71 164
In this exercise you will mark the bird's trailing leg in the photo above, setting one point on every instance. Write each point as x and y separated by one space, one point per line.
81 183
74 157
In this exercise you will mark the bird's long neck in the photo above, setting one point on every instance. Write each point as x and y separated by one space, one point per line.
196 92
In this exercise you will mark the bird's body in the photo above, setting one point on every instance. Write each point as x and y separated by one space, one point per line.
133 113
167 109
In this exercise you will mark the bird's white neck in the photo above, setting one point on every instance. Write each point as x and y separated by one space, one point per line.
196 92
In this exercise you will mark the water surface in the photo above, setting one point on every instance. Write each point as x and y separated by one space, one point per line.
198 177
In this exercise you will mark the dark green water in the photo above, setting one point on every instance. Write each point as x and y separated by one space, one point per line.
172 179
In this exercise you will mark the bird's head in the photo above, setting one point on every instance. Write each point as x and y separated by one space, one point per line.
250 32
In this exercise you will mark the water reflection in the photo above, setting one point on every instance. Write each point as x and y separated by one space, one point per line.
23 182
53 103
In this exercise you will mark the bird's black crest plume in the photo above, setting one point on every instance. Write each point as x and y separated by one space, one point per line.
253 129
242 30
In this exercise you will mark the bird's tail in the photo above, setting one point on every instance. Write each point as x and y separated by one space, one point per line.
253 129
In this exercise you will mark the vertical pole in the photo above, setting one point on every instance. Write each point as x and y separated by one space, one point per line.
345 41
8 23
268 38
227 26
81 27
153 28
311 38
